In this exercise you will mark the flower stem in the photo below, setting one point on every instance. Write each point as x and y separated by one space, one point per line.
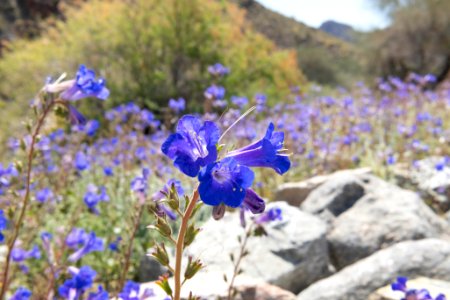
25 201
242 253
129 251
180 244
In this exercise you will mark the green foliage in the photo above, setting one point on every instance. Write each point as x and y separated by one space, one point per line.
149 51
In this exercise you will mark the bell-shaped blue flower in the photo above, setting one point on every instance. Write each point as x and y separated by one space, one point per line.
225 181
81 281
21 294
267 152
91 243
85 85
193 145
3 225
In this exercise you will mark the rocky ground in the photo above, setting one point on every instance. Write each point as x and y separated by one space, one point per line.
343 236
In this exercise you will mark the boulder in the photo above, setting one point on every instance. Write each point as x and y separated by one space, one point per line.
264 291
385 215
295 193
432 177
292 255
428 257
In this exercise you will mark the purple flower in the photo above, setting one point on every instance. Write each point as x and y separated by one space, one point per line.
20 255
3 225
21 294
82 279
114 246
101 294
91 243
81 161
177 105
413 294
44 195
75 117
84 85
193 145
132 291
253 202
266 152
239 101
270 215
400 284
215 92
76 238
93 196
225 182
139 184
92 127
218 70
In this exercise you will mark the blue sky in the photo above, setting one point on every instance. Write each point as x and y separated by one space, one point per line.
361 14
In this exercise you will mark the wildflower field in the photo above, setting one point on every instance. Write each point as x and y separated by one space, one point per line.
103 197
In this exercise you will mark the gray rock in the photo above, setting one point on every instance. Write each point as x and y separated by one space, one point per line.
429 257
295 193
293 254
431 181
386 215
150 269
336 195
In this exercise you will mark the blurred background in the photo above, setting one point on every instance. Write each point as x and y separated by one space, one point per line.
151 51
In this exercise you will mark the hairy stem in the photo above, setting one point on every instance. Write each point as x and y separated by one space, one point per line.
180 244
242 251
129 250
25 201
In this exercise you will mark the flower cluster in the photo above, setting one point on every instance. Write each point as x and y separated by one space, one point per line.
227 181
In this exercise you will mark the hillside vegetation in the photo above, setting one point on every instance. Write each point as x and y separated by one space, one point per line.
150 51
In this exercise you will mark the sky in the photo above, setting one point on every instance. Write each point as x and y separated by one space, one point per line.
361 14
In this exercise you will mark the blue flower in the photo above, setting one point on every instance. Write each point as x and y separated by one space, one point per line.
215 92
101 294
85 85
19 255
21 294
44 195
3 225
177 105
253 202
114 246
271 215
75 117
132 291
218 69
82 280
92 127
81 161
108 171
224 182
266 152
91 244
400 284
193 145
139 184
410 294
76 238
93 197
239 101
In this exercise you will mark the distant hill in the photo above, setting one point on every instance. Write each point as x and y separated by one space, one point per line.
287 32
342 31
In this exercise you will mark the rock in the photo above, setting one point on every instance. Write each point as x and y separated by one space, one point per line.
150 269
264 291
293 254
432 177
386 215
336 195
429 257
295 193
434 286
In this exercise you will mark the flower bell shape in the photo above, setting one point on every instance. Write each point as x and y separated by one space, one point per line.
93 243
193 145
85 85
225 181
267 152
3 225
